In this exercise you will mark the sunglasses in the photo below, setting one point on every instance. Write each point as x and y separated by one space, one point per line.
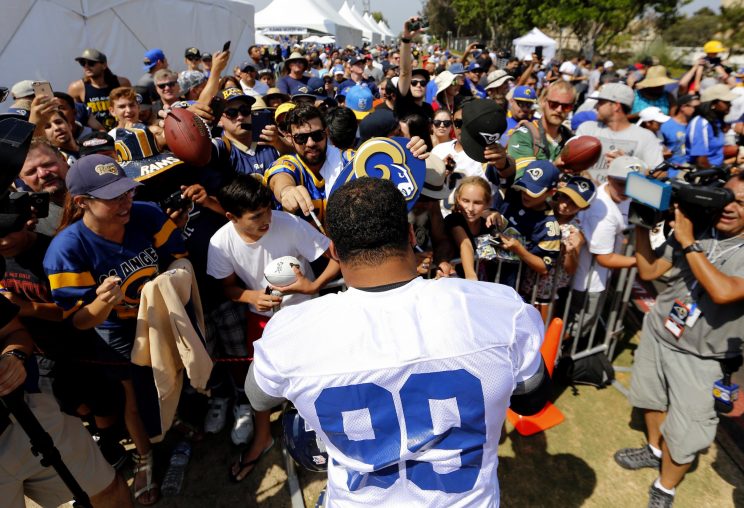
316 136
193 58
442 123
565 106
457 124
232 113
87 63
418 82
171 84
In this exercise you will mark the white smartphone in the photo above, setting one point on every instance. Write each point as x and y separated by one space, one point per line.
43 88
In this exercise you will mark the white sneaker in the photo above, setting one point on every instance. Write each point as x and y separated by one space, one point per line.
214 422
242 431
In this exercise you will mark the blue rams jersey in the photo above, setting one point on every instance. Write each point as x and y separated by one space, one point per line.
539 228
247 161
78 260
292 86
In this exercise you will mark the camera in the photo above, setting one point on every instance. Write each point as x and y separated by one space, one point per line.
700 194
175 202
16 208
422 22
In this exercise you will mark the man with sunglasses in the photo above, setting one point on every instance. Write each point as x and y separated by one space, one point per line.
543 139
411 90
192 59
617 135
96 85
168 89
521 107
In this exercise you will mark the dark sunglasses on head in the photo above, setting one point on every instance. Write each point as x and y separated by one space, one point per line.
232 113
440 123
90 63
171 84
565 106
457 124
418 82
316 136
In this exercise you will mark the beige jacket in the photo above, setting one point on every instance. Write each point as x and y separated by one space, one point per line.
166 339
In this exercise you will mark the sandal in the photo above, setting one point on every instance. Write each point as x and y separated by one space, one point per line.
243 465
144 463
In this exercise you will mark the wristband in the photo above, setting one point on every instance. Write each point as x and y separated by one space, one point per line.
405 40
693 247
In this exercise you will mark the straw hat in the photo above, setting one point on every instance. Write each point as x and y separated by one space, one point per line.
655 76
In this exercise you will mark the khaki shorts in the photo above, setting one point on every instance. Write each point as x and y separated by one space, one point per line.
666 379
22 473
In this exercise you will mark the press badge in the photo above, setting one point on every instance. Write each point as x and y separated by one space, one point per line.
677 319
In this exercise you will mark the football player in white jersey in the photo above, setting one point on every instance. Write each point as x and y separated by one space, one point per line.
405 380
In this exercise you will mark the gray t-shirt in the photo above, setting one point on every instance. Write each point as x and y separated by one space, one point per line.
717 332
634 140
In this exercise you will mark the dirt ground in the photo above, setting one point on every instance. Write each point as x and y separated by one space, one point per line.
570 465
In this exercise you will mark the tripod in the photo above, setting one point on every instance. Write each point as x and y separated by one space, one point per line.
41 443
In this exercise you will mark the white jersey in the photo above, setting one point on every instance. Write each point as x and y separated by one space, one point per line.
407 387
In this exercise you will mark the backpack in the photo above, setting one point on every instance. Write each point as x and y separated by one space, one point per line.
540 139
594 370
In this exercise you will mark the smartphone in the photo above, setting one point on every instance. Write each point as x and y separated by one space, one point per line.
538 52
259 120
226 46
217 105
40 203
479 45
42 89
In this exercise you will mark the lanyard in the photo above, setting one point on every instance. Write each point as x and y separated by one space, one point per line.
714 256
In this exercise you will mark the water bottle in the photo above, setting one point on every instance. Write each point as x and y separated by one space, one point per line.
173 480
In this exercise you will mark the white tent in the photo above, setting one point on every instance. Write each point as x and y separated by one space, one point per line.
524 46
39 40
367 17
349 14
301 16
385 29
262 40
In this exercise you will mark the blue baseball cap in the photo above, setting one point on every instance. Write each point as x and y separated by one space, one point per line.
539 177
338 69
98 176
475 67
359 99
456 68
152 57
524 93
581 190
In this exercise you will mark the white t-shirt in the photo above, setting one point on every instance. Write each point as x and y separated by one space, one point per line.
463 163
422 372
288 235
258 89
634 140
603 224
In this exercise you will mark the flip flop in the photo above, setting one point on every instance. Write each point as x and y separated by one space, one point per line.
243 465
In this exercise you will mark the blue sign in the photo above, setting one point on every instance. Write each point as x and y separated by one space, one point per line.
387 159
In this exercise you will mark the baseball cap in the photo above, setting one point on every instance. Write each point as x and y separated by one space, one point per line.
621 166
283 109
539 177
718 92
232 93
98 176
338 69
206 57
190 79
456 68
421 72
524 93
435 182
498 78
316 87
357 60
651 114
22 89
95 142
483 123
379 123
617 92
475 67
91 54
152 57
686 99
192 53
581 190
359 99
247 67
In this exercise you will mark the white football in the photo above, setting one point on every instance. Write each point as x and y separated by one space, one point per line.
280 273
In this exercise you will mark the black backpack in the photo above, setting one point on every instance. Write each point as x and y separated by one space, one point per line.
594 370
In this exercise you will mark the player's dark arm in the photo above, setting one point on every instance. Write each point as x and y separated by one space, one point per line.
531 395
440 242
260 400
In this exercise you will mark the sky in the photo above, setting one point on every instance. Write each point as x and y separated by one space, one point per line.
696 5
394 11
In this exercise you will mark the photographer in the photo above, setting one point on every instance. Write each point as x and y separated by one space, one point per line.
687 338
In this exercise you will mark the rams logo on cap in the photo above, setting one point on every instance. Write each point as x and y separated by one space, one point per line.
583 186
535 173
109 168
489 138
232 92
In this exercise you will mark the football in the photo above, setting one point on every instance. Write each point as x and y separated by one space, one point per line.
580 153
280 273
188 137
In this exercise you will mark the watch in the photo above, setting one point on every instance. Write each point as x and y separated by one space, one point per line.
693 247
17 353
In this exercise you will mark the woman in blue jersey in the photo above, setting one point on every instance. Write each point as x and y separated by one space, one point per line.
106 250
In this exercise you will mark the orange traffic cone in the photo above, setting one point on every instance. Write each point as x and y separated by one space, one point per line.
549 416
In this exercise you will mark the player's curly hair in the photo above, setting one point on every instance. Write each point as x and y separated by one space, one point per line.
367 220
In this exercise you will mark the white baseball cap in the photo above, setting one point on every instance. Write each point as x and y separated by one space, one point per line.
622 166
652 114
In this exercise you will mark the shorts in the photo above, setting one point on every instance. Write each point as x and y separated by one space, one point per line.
114 350
667 379
21 473
226 328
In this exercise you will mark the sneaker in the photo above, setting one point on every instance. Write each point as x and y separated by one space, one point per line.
657 498
214 422
637 458
242 431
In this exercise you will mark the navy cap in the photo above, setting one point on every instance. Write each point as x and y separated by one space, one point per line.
483 123
232 93
581 190
539 176
316 87
98 176
357 60
475 67
247 67
95 142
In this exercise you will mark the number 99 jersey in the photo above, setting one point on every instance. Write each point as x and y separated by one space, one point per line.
408 387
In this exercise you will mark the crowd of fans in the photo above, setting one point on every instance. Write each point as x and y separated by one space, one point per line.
284 125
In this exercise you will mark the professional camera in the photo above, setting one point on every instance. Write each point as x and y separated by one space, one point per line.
16 208
175 201
700 195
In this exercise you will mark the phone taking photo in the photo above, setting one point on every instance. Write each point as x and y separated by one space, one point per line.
259 120
226 46
42 89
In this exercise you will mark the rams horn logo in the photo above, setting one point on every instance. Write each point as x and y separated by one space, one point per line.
394 170
583 186
489 138
535 173
109 168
